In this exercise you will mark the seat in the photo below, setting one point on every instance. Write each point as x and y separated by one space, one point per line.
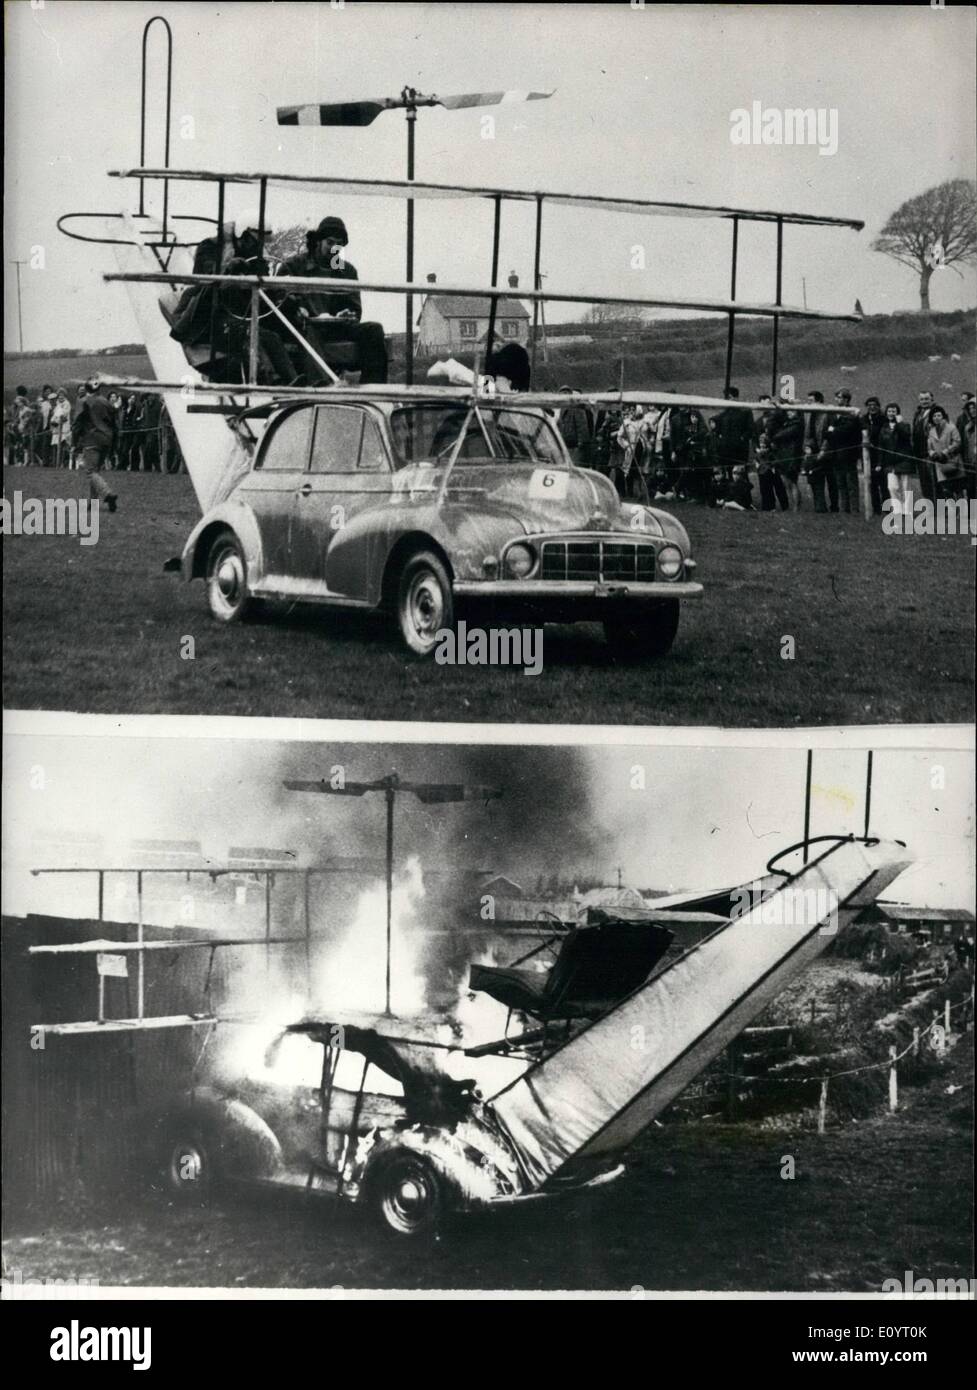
598 965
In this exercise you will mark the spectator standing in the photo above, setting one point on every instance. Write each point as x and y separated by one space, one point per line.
45 404
944 451
119 408
872 422
788 448
844 439
769 480
734 435
968 448
920 433
897 458
61 429
820 477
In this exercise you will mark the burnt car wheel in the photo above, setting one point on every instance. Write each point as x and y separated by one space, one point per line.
425 604
408 1196
646 632
227 579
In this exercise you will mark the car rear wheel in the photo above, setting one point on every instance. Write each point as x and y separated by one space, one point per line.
408 1196
649 631
227 579
425 603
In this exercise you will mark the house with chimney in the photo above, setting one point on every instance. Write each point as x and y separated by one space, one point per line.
455 323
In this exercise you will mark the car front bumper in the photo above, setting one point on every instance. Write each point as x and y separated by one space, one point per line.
554 590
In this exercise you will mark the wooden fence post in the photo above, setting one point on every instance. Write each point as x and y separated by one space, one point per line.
893 1081
823 1105
946 1016
915 1042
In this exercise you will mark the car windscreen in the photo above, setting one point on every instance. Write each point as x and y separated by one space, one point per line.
428 433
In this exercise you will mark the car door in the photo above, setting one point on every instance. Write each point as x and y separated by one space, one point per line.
349 470
272 486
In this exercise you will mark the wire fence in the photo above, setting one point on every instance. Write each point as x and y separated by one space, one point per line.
937 1033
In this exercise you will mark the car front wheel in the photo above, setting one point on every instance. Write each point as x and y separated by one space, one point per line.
227 579
425 604
645 632
408 1196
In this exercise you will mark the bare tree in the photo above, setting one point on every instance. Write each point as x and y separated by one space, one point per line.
290 241
935 229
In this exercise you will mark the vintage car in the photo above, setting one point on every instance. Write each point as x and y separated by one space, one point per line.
418 505
345 1110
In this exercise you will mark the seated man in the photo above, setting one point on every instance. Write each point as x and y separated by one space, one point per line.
331 320
219 316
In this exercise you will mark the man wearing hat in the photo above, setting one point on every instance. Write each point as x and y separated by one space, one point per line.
332 319
95 434
843 438
220 315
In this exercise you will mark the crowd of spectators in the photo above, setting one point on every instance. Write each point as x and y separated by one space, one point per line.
38 431
780 457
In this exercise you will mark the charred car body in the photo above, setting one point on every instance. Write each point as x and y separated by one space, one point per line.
355 1115
416 505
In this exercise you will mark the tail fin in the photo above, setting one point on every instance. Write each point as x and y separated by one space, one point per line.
216 455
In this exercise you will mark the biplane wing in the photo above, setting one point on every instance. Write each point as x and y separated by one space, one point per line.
423 191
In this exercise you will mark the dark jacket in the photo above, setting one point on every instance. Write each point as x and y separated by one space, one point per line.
872 427
734 432
787 436
815 432
328 302
843 438
96 424
920 430
896 448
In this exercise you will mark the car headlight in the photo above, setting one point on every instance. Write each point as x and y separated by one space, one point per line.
519 561
670 562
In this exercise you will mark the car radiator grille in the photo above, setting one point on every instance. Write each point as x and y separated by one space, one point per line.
597 560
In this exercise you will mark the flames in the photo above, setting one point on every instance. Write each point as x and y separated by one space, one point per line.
351 974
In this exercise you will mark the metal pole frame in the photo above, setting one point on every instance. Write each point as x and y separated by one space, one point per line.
868 791
777 300
157 18
389 795
141 955
411 114
807 804
494 301
731 326
536 284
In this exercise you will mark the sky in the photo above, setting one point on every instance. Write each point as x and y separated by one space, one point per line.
694 818
642 105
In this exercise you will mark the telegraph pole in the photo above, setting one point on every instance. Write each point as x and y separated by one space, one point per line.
20 317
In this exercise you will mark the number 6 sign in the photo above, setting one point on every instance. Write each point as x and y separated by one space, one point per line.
548 485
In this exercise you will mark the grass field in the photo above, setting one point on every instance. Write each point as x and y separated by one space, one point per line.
883 628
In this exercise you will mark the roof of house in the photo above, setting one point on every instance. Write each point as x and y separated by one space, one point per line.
452 306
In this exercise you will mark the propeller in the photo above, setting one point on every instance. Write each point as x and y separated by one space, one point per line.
364 113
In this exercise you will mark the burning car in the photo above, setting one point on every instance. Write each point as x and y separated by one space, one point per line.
345 1110
415 501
